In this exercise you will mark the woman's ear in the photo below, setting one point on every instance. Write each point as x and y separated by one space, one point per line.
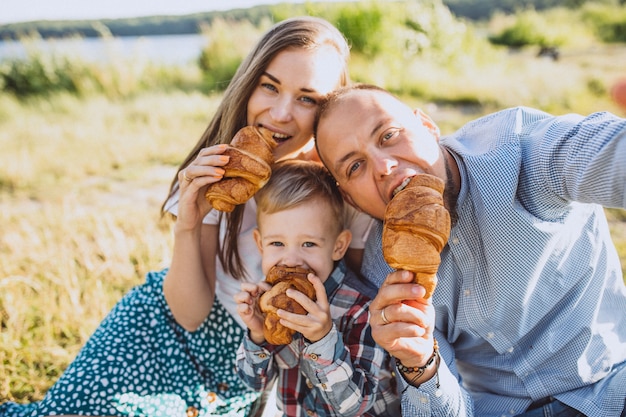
341 244
257 238
428 123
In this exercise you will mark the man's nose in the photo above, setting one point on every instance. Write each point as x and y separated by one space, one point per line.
385 165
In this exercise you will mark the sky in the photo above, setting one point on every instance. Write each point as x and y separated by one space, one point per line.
12 11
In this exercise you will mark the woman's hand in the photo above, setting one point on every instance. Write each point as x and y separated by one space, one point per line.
402 320
248 308
193 180
318 322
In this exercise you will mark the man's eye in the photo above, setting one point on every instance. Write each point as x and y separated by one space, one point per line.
390 134
353 168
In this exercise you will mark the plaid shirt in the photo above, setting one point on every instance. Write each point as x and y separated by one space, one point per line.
343 374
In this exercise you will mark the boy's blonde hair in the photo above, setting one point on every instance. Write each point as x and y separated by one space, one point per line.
296 182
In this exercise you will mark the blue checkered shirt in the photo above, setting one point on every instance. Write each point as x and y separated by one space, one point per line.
344 374
531 300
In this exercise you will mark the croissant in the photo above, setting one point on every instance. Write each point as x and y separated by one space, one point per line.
282 278
416 228
249 168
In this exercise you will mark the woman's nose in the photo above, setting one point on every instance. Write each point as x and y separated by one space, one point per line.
281 111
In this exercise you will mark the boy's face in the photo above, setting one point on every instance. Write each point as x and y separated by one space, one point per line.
372 144
304 236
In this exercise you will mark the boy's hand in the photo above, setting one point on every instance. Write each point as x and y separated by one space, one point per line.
318 322
248 308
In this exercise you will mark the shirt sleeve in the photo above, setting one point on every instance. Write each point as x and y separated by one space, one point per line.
344 368
442 395
171 206
580 158
255 365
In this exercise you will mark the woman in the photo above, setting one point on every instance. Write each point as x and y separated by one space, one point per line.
168 347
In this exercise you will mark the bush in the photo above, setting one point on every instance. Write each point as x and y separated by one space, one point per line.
224 52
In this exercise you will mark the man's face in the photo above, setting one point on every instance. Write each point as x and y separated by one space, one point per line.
373 144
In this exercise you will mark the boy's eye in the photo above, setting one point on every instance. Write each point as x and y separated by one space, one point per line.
308 244
276 244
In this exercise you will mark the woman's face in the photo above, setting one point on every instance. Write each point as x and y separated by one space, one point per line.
287 95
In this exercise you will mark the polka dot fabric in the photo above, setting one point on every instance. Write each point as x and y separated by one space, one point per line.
139 362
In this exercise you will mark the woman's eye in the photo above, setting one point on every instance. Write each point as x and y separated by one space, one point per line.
269 86
309 100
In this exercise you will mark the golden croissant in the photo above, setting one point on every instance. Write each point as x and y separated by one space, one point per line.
281 279
249 168
416 229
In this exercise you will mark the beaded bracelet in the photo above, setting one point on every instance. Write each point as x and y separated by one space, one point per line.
420 370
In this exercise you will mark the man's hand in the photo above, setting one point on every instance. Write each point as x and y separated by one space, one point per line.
402 320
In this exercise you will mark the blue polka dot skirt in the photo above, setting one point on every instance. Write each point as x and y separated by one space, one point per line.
139 362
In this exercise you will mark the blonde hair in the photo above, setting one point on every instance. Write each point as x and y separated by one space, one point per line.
300 33
293 183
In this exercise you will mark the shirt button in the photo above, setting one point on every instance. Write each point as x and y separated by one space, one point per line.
192 412
455 240
211 397
324 386
438 393
491 335
313 356
511 349
310 412
424 400
467 292
262 356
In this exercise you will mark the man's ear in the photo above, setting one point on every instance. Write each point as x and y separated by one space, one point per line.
428 123
257 238
341 244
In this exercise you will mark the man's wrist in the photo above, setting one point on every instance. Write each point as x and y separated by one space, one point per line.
417 375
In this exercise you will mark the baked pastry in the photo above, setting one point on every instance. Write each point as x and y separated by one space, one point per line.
282 278
416 229
249 168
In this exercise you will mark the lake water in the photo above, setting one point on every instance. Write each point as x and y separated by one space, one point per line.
165 49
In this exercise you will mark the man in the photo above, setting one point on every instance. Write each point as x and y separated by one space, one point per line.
529 313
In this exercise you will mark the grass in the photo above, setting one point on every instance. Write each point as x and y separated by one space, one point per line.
81 182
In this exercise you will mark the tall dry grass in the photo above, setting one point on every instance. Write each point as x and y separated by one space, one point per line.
81 182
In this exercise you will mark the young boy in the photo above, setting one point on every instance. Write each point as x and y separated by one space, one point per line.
332 367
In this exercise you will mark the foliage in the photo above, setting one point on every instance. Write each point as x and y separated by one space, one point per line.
609 23
224 52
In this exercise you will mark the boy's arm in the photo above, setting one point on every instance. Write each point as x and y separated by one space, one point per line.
255 364
344 366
